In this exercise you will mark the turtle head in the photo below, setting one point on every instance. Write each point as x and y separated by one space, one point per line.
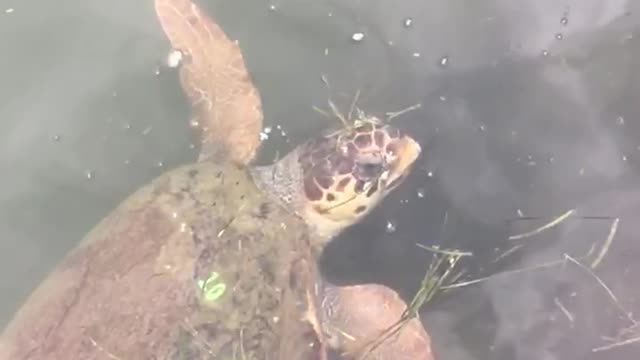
345 173
336 178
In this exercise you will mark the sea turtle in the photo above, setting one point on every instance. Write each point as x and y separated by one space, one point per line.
217 259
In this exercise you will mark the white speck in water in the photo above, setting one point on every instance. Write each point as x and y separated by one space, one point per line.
416 54
56 138
390 42
272 7
559 36
330 14
443 98
9 10
564 21
147 130
283 133
126 126
160 164
276 319
520 213
404 201
358 36
326 51
620 120
127 162
444 61
192 146
157 71
263 136
114 94
183 227
408 22
545 53
267 130
483 128
421 193
581 172
430 174
624 157
90 174
174 215
174 59
552 159
391 227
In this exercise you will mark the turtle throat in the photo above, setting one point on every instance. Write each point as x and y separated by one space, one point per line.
283 181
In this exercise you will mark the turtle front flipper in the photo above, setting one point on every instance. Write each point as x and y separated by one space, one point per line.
226 105
359 316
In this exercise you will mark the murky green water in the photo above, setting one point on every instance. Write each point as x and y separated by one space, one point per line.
528 109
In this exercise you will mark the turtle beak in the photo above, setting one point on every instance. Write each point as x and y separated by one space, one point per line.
405 153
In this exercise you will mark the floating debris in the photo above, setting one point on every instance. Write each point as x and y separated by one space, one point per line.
90 174
564 21
9 10
416 54
545 53
559 36
390 227
421 193
174 59
358 36
444 61
620 120
408 22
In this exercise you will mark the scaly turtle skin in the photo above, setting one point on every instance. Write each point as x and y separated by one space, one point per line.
216 259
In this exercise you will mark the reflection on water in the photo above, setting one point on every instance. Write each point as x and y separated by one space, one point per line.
528 110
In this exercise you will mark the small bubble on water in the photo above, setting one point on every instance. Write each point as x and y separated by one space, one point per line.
624 157
174 59
90 174
390 227
9 10
416 54
127 162
263 136
267 130
192 146
56 138
272 7
564 21
421 193
444 61
358 36
483 128
330 14
443 98
620 120
430 174
160 164
559 36
408 22
545 53
126 126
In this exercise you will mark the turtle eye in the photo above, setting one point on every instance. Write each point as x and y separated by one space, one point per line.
367 171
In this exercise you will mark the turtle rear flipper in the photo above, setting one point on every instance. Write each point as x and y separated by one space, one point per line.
226 105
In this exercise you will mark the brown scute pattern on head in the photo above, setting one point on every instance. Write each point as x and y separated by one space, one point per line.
346 171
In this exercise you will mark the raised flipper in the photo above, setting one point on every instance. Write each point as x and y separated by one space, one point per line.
357 315
226 105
